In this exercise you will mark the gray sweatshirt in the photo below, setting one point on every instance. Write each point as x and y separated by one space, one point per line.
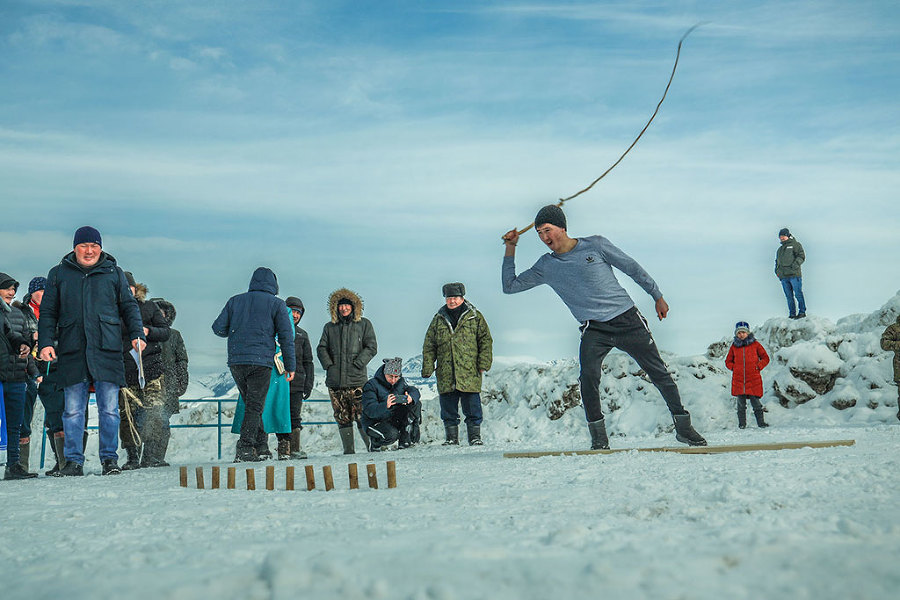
583 278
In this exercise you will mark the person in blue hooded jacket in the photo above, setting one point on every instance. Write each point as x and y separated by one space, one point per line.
391 410
251 321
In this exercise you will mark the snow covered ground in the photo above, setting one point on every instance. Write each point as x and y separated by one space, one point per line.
468 523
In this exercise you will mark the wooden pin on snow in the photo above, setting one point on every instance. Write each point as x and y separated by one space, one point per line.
289 479
199 478
184 477
215 478
310 478
329 479
373 477
353 471
231 477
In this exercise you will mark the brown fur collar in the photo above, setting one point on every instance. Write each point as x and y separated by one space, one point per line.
336 295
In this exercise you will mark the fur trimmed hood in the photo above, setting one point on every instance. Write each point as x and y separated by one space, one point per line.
354 298
140 292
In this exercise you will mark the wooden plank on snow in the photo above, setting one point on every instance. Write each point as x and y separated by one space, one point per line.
690 449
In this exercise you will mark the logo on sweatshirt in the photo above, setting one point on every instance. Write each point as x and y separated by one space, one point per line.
590 258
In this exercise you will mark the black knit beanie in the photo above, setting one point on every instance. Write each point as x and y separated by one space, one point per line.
552 215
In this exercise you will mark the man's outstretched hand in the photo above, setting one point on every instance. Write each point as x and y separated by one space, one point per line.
662 308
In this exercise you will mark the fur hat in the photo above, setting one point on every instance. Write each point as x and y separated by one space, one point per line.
393 366
453 289
344 294
741 326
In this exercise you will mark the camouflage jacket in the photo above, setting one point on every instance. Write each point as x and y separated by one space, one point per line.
890 340
461 354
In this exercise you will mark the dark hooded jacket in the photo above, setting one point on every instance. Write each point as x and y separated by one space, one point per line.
251 321
303 380
788 258
88 312
16 369
346 345
157 333
375 395
174 358
11 366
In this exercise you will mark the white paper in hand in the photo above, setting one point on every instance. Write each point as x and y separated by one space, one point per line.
140 366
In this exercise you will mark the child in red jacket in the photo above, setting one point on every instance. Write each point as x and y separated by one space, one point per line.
746 358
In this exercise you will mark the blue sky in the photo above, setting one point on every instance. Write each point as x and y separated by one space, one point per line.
386 146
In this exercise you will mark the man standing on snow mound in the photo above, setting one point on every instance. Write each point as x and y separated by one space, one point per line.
580 271
890 340
347 345
251 321
86 309
788 258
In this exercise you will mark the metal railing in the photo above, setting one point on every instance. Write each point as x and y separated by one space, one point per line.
219 425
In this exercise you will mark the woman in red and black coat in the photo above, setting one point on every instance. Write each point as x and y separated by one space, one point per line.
746 359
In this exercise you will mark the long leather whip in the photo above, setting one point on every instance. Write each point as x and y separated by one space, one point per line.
627 150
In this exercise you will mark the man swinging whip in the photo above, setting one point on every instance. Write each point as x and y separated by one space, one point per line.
580 271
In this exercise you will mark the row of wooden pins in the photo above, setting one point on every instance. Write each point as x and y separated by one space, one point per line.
327 476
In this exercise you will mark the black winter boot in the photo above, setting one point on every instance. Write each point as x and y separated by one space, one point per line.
110 467
451 433
599 439
685 433
474 434
760 418
742 418
72 469
134 459
17 472
347 439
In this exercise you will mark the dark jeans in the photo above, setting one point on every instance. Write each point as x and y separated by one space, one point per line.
14 400
402 424
793 286
253 383
54 400
630 333
296 423
754 402
31 394
471 407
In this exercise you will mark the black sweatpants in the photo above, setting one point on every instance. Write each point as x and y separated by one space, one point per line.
630 333
253 383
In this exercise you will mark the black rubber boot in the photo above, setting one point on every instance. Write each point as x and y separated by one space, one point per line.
742 418
599 439
347 439
474 434
134 459
760 418
296 451
57 443
451 433
17 472
25 453
685 433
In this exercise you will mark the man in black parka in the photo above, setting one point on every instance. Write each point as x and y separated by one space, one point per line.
86 308
251 321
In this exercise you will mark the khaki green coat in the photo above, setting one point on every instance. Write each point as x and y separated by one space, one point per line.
461 354
890 340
